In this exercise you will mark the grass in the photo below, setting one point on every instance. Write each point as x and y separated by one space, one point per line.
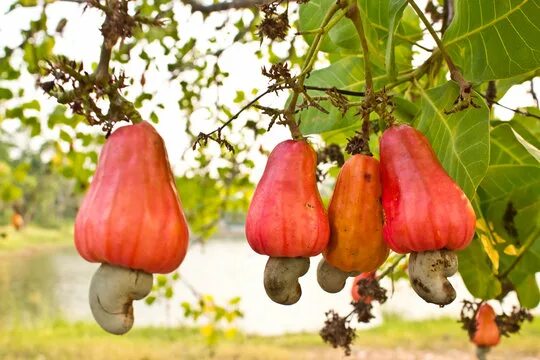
32 238
82 341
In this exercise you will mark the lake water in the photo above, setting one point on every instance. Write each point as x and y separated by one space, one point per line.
55 284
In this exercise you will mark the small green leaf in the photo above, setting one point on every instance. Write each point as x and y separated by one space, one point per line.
149 300
240 96
161 280
235 300
5 94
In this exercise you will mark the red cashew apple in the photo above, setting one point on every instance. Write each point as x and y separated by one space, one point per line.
487 332
355 293
426 213
355 214
131 220
286 219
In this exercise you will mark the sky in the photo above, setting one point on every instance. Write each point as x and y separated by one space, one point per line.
81 40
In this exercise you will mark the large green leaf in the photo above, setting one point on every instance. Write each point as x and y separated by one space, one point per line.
511 188
510 195
475 269
495 39
460 140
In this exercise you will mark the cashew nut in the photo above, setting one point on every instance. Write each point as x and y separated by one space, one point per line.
112 292
281 278
330 278
428 272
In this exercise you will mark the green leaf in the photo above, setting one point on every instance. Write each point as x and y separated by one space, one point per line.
235 300
494 39
528 292
511 188
149 300
240 96
528 127
396 12
377 18
405 110
523 274
161 280
5 94
65 136
475 269
311 18
506 149
34 105
460 140
169 292
27 3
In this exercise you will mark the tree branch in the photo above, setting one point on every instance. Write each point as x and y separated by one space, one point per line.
517 111
75 1
455 74
222 6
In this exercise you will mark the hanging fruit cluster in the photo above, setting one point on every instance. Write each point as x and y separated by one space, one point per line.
407 203
131 220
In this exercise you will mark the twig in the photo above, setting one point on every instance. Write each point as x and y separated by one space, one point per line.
353 13
517 111
533 93
416 43
391 267
340 91
523 250
309 61
190 287
455 74
381 276
235 116
224 6
448 14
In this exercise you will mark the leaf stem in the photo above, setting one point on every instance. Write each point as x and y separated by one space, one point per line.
455 74
417 73
309 60
391 267
353 13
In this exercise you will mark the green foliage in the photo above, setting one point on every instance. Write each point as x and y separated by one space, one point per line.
495 39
